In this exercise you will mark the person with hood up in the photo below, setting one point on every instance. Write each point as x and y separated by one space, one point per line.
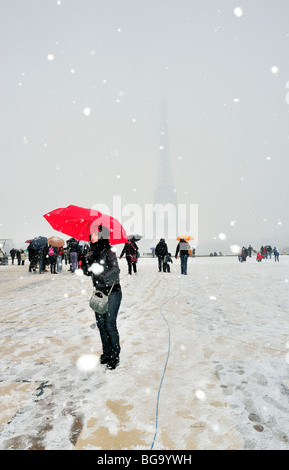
130 250
183 248
101 264
161 251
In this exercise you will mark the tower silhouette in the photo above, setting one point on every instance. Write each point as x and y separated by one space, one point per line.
164 192
165 195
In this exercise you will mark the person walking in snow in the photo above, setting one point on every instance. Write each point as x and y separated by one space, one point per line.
59 259
244 254
130 250
101 264
276 255
52 252
33 259
161 251
250 249
166 263
18 254
183 248
73 245
22 257
13 253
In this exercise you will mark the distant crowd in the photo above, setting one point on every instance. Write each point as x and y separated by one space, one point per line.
48 258
265 252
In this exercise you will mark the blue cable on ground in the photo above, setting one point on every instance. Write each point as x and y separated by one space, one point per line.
168 354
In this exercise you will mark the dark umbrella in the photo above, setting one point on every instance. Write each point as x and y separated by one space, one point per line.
79 222
38 243
135 236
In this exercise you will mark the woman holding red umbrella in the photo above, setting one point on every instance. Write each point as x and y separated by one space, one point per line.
102 265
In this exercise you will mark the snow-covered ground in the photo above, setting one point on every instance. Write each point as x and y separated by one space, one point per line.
223 330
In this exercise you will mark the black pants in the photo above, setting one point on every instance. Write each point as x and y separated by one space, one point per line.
161 261
53 268
107 325
167 268
131 266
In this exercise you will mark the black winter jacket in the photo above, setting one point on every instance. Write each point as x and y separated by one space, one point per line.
102 266
129 249
161 249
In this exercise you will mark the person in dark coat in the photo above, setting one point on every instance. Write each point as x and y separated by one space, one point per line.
183 248
74 249
18 254
33 258
13 253
244 254
130 250
250 249
161 251
102 265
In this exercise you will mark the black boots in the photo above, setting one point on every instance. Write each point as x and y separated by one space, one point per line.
111 362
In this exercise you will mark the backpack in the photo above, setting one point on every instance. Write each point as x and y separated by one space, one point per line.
132 253
51 251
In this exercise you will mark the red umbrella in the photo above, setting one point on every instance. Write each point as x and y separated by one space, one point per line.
28 241
79 223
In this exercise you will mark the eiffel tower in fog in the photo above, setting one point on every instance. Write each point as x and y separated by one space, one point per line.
164 192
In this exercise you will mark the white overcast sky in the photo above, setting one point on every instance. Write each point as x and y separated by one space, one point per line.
81 83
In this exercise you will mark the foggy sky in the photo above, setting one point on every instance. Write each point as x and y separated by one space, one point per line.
81 84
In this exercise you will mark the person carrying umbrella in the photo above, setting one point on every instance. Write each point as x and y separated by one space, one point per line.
183 248
101 264
130 250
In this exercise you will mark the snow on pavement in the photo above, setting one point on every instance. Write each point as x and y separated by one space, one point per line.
223 327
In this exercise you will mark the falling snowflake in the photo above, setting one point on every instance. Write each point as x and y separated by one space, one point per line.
238 12
87 111
96 268
50 57
274 69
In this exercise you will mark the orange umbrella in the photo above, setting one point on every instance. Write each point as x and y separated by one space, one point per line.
185 237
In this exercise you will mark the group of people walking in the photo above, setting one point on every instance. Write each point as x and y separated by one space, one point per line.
183 250
265 252
50 258
45 258
19 255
